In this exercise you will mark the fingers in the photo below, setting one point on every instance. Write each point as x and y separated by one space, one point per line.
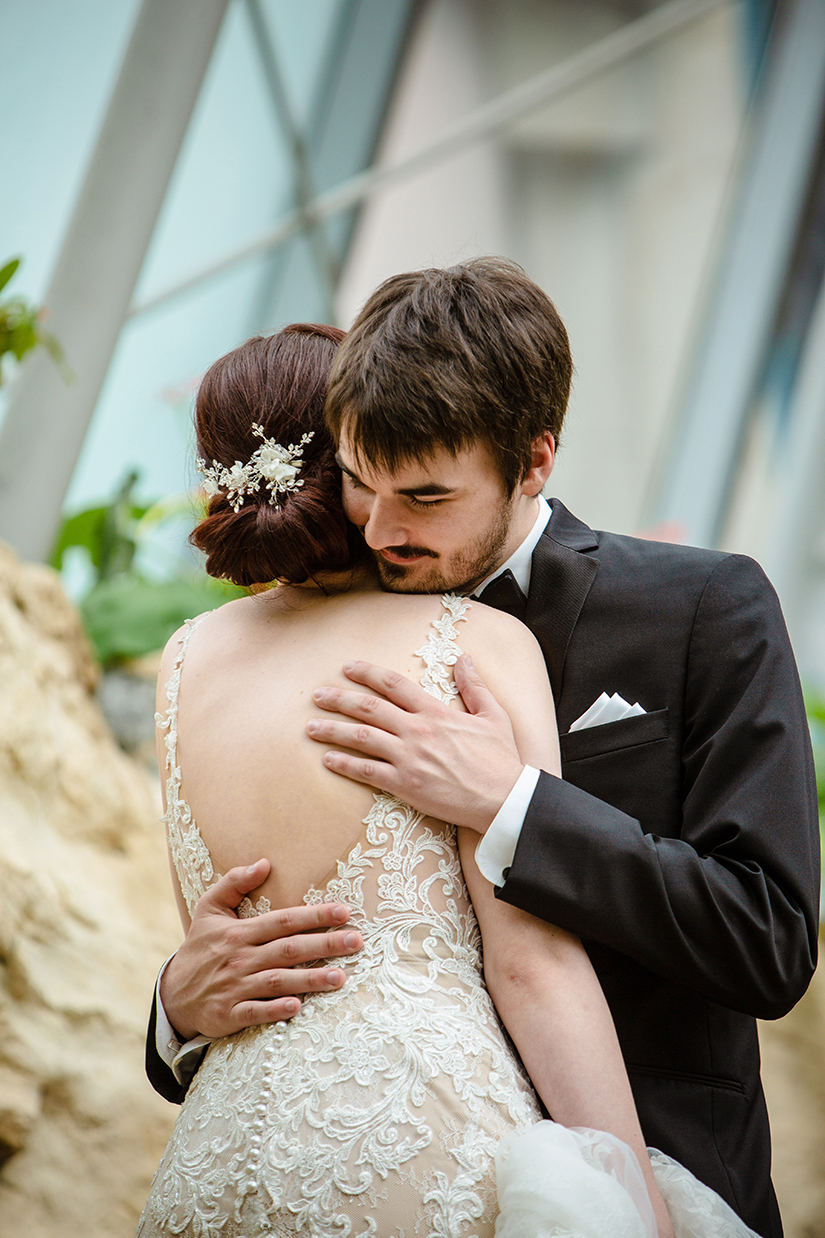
394 687
380 727
223 897
281 983
261 1009
223 965
254 1014
362 706
378 774
298 950
474 692
372 741
378 768
287 921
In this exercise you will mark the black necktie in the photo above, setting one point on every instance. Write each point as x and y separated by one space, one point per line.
504 594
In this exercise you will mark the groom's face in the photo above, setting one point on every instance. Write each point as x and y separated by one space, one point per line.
433 525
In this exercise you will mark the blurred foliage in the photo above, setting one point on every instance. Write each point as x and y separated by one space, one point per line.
110 533
815 709
127 615
21 327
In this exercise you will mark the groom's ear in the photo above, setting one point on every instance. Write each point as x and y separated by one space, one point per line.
543 455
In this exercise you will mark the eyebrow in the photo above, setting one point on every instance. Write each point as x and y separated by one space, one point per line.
430 489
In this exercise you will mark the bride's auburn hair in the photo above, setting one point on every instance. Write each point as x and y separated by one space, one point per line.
278 382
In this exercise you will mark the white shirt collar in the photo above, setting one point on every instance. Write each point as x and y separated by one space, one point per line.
520 562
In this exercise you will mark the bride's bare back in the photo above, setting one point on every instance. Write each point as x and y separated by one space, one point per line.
254 781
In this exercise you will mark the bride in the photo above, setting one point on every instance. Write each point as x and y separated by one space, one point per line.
383 1108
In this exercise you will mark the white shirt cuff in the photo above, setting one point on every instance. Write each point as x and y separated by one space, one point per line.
494 854
178 1057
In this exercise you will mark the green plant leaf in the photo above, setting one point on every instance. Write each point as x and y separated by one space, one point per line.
23 338
83 529
21 328
8 271
109 533
127 617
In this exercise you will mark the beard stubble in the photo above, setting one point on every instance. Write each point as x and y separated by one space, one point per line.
461 573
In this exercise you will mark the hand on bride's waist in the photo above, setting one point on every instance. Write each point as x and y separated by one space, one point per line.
231 973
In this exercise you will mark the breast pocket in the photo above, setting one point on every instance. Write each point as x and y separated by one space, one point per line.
631 764
595 741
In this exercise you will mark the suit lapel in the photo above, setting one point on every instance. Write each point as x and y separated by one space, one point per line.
560 580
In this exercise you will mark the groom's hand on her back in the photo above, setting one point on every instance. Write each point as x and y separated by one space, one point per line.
232 973
455 766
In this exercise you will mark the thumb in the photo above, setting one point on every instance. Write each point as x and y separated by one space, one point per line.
223 897
474 692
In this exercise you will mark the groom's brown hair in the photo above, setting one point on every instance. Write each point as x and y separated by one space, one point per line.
450 358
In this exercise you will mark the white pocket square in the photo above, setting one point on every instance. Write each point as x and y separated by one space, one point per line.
607 709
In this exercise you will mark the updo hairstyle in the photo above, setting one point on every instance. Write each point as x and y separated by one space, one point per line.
279 382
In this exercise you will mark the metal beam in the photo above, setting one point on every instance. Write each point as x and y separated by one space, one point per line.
326 265
351 86
696 482
794 555
100 261
483 123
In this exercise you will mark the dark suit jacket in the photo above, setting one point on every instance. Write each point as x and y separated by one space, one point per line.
682 845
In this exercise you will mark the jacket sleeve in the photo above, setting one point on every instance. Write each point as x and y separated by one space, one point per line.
729 906
161 1076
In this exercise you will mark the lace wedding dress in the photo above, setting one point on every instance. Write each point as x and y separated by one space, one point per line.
381 1108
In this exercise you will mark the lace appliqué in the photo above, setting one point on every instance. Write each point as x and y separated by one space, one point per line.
377 1110
440 652
190 855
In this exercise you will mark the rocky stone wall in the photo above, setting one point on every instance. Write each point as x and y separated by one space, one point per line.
86 915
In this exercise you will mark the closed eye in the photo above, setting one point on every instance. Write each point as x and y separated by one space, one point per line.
416 502
354 481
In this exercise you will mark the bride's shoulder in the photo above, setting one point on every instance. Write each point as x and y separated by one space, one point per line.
497 625
415 607
501 644
210 625
474 623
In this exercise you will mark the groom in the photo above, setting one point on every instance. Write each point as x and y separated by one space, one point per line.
682 844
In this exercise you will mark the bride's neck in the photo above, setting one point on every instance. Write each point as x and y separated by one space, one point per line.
360 579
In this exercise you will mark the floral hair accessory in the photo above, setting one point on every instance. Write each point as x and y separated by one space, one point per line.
271 465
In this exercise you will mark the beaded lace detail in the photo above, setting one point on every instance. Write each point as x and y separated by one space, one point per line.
441 652
378 1109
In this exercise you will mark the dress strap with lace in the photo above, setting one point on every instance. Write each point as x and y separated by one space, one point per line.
440 652
190 854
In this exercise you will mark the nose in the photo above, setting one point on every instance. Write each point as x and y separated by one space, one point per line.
383 527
